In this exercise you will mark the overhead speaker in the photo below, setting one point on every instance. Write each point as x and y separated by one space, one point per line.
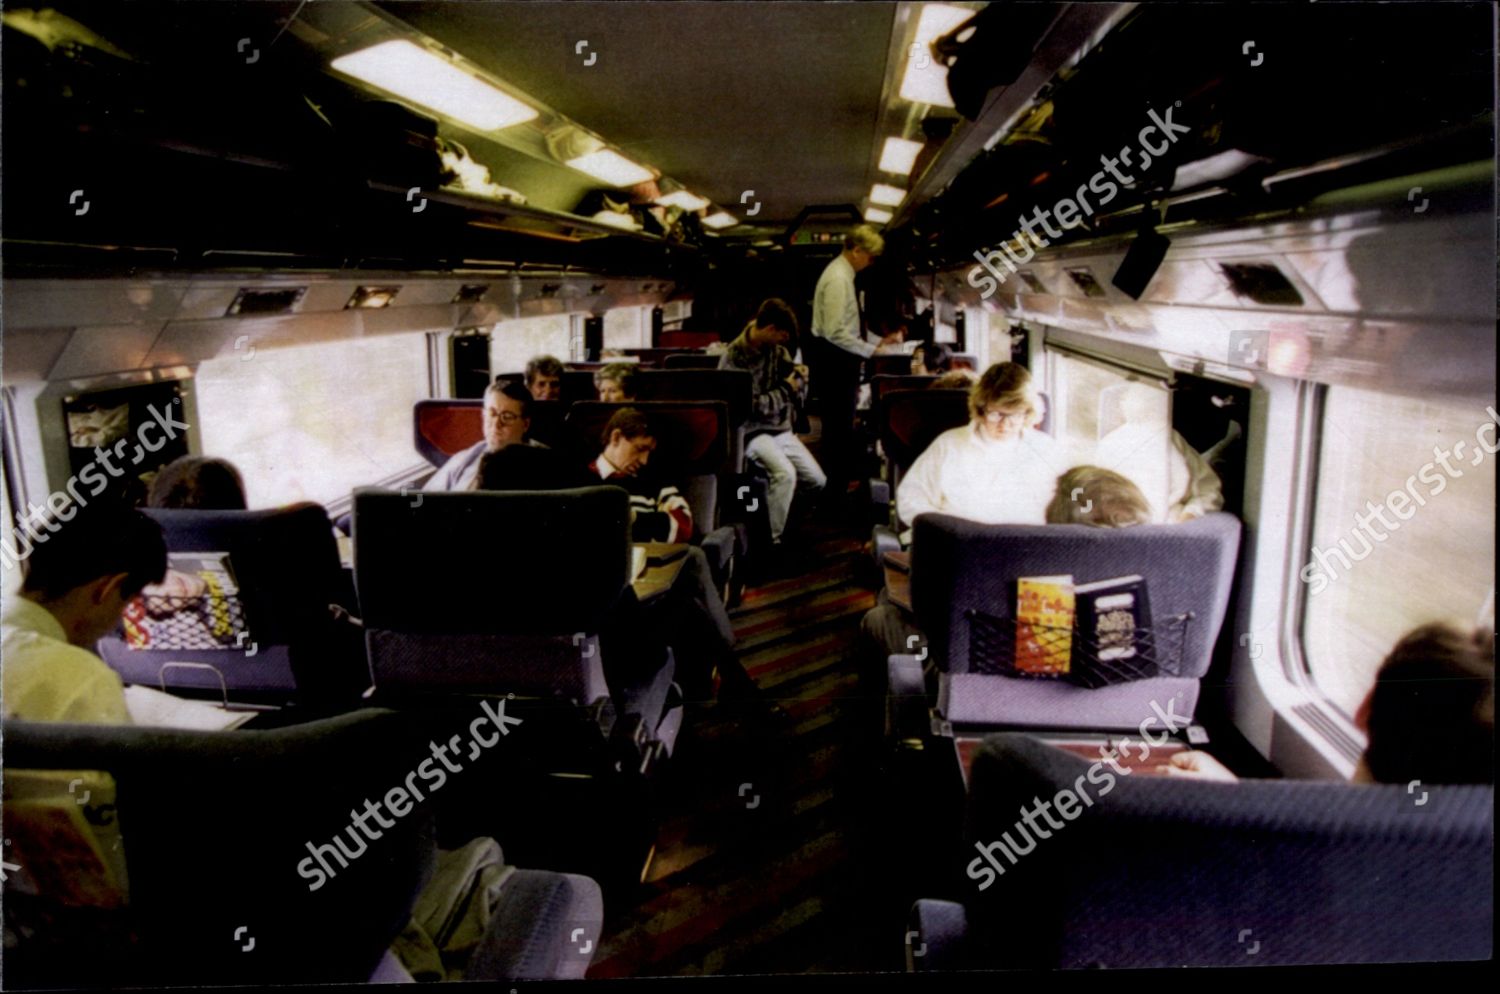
1141 262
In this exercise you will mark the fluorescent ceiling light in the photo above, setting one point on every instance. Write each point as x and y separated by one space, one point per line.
898 156
722 219
411 71
877 215
887 196
612 167
616 220
926 80
681 198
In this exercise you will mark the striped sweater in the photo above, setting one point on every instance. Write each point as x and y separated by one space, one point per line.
658 512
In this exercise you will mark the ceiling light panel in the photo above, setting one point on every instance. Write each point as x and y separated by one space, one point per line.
423 77
611 167
681 198
887 196
926 80
877 215
898 156
722 219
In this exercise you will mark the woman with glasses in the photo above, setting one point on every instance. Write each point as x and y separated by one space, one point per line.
998 469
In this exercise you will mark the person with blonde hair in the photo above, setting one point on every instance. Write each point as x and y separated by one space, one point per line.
1089 495
998 469
616 382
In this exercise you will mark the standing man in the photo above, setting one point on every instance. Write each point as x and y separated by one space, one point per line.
777 387
836 349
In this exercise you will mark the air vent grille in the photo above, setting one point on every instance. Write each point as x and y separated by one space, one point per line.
1084 278
253 301
1036 285
1329 729
1261 282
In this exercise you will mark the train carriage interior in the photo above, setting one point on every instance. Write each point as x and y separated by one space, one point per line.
828 488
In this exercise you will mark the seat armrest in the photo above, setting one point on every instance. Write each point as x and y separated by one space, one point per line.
718 545
629 742
880 492
545 927
935 936
883 540
906 697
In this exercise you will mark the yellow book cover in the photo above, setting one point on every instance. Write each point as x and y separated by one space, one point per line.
1044 624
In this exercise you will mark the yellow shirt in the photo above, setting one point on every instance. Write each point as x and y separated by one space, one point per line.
47 679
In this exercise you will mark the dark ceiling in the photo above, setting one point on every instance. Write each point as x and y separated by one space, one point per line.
698 90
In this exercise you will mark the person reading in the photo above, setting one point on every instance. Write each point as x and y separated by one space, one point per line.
77 584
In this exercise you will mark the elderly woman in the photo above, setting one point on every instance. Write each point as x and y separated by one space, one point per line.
616 382
998 469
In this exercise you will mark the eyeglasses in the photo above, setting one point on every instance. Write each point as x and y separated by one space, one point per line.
505 417
1002 417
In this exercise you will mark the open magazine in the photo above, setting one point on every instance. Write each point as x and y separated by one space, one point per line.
196 606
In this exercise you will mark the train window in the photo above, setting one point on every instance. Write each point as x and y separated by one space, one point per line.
312 422
513 343
1092 400
627 328
1403 531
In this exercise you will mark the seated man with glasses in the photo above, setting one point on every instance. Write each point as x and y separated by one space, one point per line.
996 470
505 423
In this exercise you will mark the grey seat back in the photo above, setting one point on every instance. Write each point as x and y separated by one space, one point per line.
960 566
1166 871
215 829
489 591
285 563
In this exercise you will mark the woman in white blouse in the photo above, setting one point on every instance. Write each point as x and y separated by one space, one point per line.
996 470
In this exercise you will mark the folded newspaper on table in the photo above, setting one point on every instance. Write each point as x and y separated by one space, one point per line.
148 706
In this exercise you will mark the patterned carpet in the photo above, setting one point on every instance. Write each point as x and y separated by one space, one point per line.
764 855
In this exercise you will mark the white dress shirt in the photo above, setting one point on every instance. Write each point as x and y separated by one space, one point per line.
48 679
836 309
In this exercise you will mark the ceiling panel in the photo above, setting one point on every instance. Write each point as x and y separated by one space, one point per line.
701 91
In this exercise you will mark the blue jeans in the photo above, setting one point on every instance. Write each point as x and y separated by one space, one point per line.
788 463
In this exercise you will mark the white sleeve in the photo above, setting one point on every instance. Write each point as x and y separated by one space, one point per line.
443 478
831 302
921 489
1204 491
